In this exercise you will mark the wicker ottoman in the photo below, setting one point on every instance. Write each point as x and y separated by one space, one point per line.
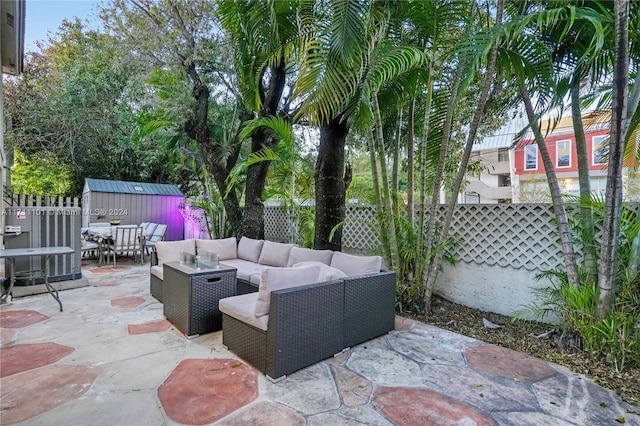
190 296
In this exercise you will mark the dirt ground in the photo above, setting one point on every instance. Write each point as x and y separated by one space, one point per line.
521 336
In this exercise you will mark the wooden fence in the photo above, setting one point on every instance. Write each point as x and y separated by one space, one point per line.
25 200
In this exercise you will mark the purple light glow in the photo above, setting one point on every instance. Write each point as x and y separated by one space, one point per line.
195 226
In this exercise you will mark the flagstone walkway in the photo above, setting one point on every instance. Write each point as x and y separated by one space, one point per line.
112 359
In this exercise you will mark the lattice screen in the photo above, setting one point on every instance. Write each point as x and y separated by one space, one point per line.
277 224
514 235
360 228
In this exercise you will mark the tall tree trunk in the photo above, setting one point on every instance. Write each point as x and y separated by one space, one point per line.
422 209
410 165
253 223
384 241
329 183
617 137
586 214
395 167
429 271
562 219
386 190
464 162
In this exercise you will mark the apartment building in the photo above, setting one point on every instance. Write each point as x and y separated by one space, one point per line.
514 173
529 179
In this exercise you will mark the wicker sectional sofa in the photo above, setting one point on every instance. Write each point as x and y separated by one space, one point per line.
294 306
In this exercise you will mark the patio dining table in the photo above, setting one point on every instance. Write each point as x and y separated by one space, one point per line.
104 234
45 252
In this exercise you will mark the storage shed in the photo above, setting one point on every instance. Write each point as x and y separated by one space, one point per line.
133 203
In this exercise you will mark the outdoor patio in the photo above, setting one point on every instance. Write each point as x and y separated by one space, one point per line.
111 359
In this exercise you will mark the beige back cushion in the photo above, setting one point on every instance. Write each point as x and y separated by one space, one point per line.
225 249
275 254
279 278
249 249
169 251
356 265
299 254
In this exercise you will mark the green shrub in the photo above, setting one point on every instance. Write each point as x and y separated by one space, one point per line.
614 338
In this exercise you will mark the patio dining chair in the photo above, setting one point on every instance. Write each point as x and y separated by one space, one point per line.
158 235
148 228
126 239
89 248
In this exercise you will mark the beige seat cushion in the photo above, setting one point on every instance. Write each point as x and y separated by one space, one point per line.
356 265
157 271
299 254
245 268
280 278
169 251
255 279
225 248
275 254
249 249
242 307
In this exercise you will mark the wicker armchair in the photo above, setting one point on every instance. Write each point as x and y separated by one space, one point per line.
369 307
310 323
305 326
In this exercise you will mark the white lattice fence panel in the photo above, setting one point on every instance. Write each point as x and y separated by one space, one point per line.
360 228
276 224
514 235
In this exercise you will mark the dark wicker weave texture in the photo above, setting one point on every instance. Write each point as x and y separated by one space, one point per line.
248 342
191 300
305 327
156 287
369 307
245 287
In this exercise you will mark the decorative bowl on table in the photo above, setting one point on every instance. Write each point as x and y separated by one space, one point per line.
115 221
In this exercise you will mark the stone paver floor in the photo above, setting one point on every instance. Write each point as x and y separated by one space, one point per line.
112 359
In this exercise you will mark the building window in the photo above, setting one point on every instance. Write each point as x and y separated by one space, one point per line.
503 154
531 157
600 149
563 154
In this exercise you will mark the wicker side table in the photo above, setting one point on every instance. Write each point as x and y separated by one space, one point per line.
190 296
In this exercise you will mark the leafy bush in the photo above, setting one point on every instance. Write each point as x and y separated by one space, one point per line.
614 338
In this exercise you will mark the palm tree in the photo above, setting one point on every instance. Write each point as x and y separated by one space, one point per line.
336 76
262 34
618 137
581 52
532 67
488 80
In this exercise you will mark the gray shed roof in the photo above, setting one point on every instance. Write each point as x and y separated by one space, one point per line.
122 187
